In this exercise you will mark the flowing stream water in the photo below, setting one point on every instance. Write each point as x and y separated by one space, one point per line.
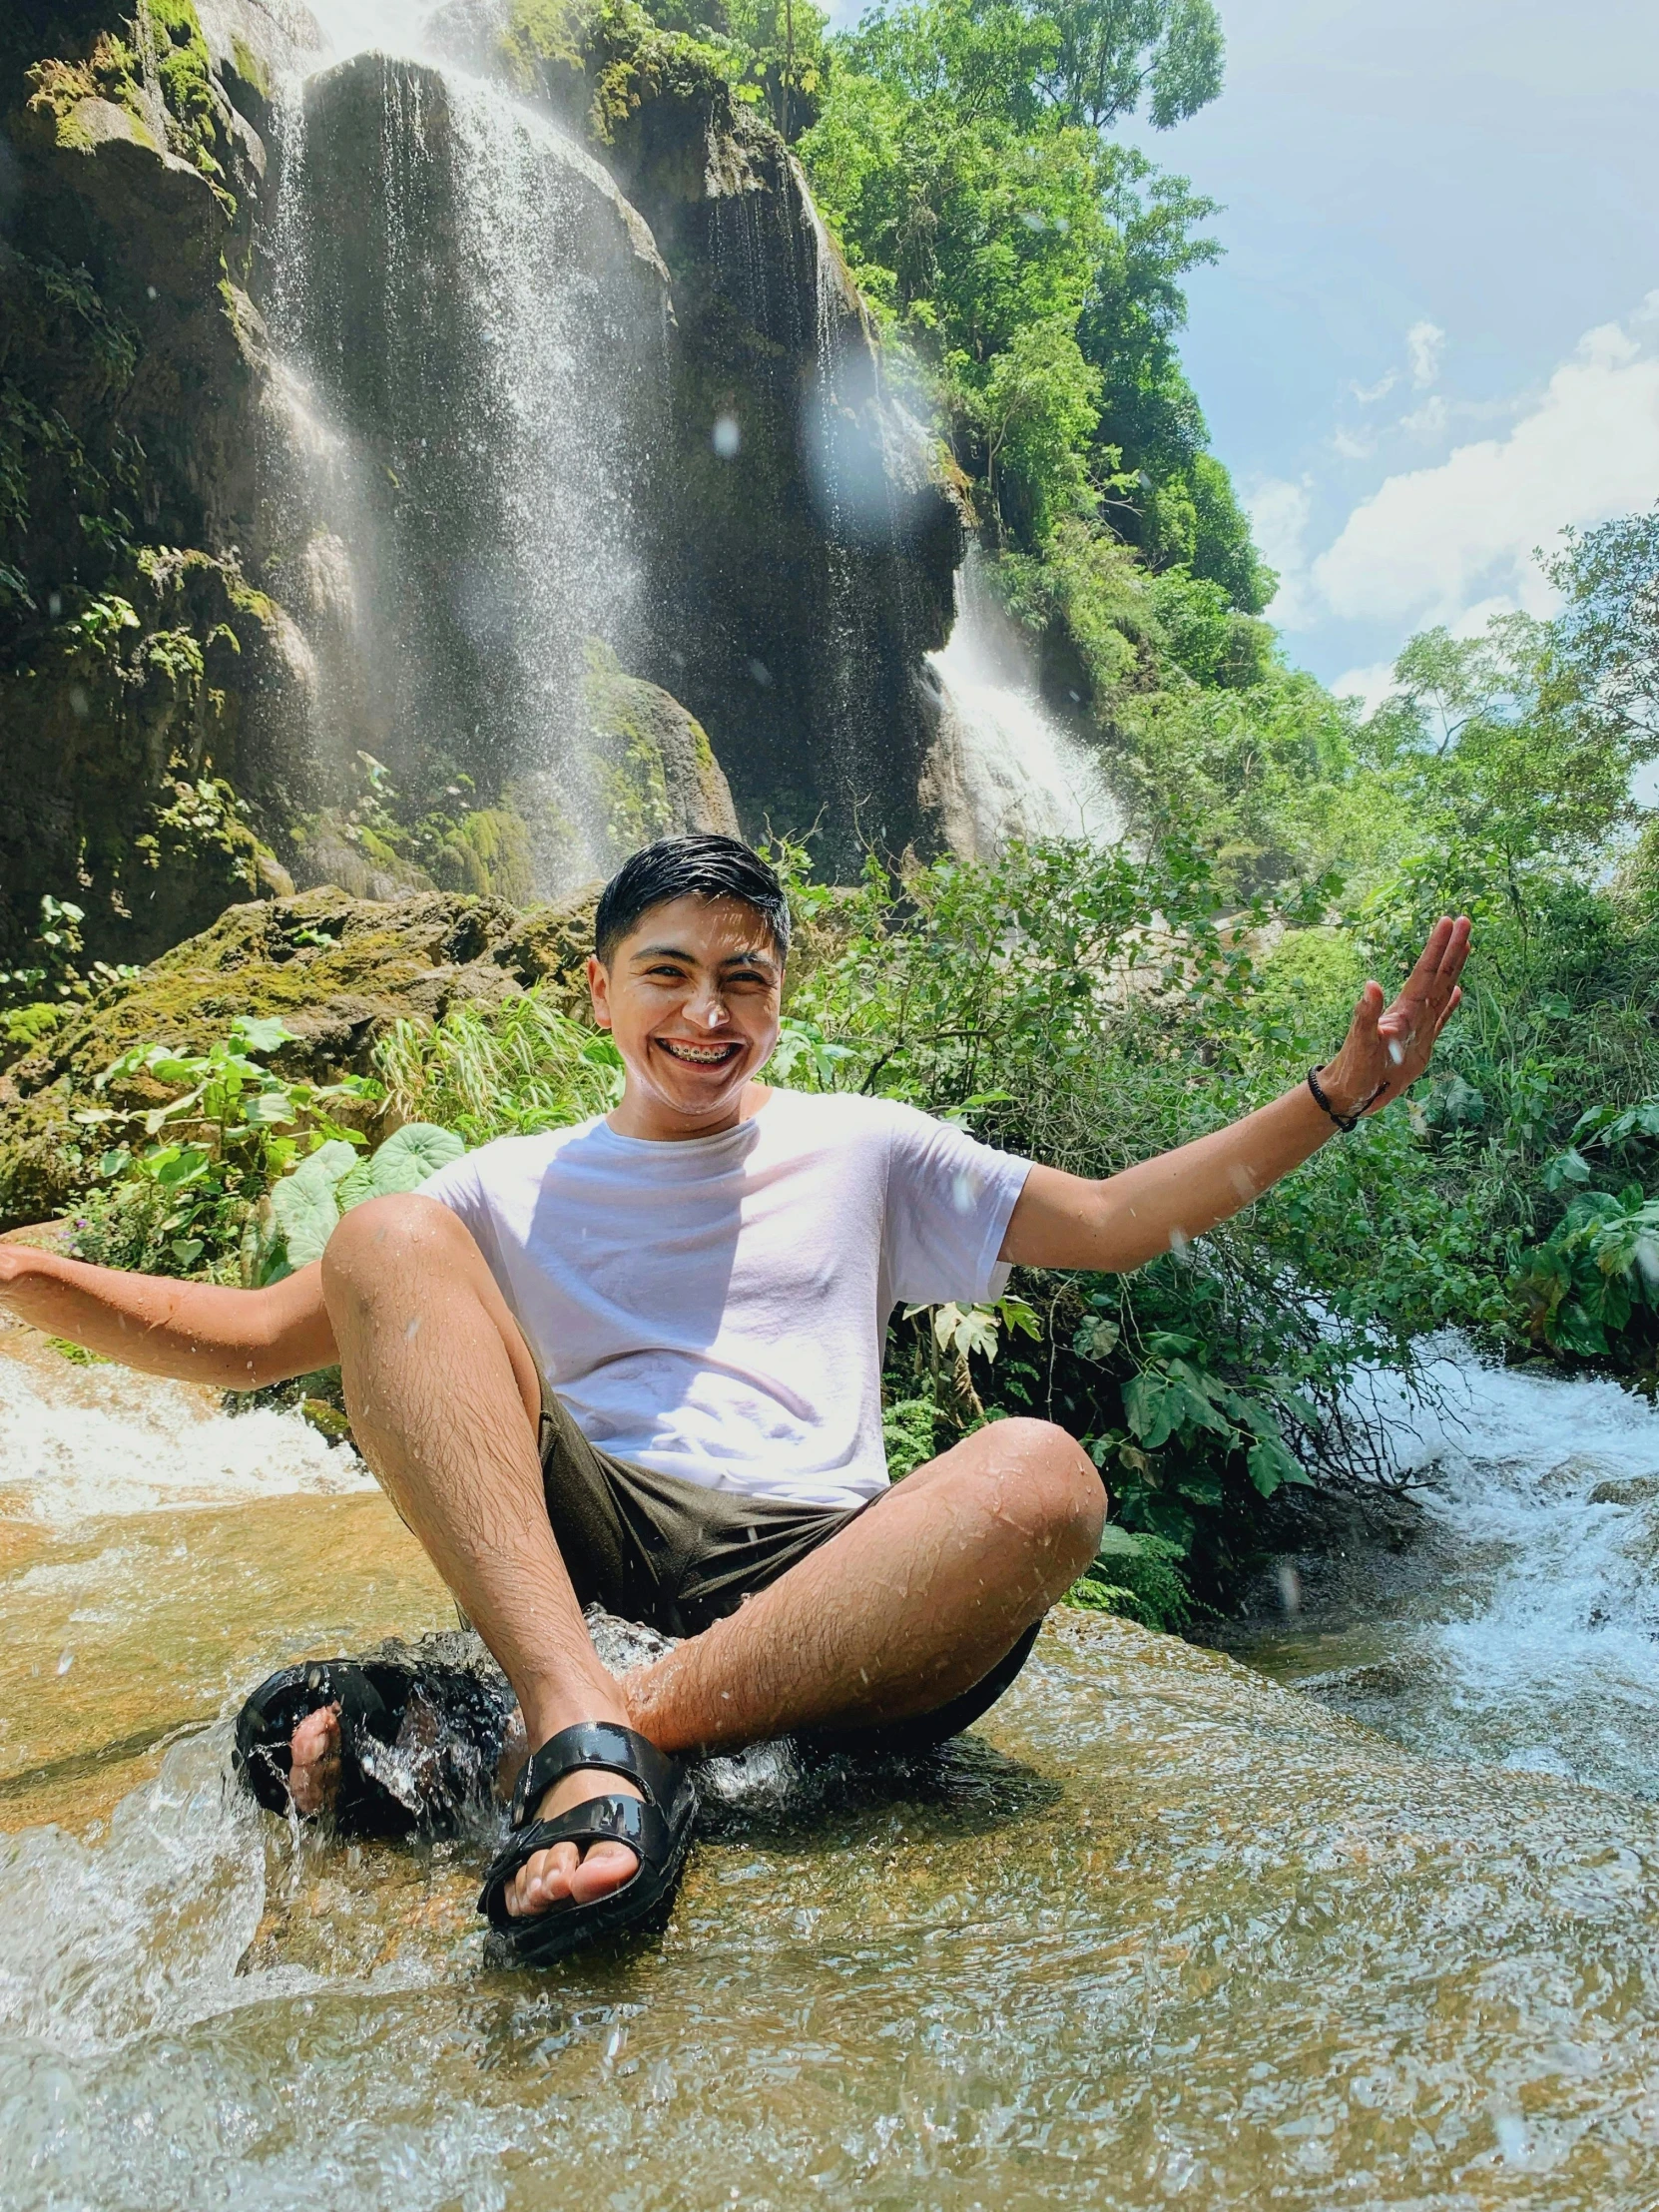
1004 766
1160 1930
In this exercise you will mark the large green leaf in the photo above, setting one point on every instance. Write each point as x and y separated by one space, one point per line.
255 1035
406 1159
304 1206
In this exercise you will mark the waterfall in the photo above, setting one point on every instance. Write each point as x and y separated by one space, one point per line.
468 324
850 489
1002 766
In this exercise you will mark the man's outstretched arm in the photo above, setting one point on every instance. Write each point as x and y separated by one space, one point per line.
1065 1221
193 1331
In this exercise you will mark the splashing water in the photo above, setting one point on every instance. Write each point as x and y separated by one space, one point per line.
1004 767
103 1442
1537 1645
1159 1932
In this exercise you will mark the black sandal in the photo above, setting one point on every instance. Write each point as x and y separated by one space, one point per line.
658 1832
418 1744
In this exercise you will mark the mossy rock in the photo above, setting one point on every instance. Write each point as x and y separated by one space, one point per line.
339 971
331 851
653 768
134 780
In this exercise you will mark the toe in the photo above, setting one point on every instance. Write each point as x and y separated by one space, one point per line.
606 1868
314 1748
542 1881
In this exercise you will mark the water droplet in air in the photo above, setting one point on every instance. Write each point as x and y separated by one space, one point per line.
726 438
65 1659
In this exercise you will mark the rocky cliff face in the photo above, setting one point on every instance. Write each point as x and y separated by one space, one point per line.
284 571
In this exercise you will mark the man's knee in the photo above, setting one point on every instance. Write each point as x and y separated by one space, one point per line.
385 1242
1049 1479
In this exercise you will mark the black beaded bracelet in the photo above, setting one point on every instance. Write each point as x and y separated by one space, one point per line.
1344 1122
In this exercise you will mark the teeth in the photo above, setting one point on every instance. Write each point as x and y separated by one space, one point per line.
703 1055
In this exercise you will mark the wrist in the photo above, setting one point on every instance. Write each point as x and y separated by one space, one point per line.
1341 1095
1338 1097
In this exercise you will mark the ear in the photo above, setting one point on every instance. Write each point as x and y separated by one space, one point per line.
599 990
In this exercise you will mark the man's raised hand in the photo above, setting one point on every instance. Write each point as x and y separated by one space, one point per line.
1388 1048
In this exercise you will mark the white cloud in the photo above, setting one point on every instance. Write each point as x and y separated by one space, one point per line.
1280 512
1425 345
1427 421
1368 394
1369 684
1350 445
1430 542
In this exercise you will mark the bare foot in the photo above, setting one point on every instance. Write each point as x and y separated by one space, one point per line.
567 1874
313 1777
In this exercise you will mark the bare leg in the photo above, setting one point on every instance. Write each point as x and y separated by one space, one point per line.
444 1400
911 1604
908 1606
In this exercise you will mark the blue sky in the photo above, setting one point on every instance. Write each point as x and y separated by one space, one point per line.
1433 339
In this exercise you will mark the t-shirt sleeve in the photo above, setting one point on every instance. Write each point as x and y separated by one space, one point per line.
950 1199
460 1187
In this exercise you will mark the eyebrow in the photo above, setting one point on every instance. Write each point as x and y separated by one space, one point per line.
752 958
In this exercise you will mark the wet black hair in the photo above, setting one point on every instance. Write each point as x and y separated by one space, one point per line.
701 865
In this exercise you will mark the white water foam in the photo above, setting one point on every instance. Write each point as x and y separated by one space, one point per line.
1003 768
111 1443
1546 1654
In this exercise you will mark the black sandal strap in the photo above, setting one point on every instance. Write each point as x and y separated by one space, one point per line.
263 1751
601 1745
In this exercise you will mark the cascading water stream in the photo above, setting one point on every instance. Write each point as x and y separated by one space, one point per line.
1536 1643
468 365
1159 1932
1002 766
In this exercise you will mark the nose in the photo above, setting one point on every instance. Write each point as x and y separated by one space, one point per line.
709 1006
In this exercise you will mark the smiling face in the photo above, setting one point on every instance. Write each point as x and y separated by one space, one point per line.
690 997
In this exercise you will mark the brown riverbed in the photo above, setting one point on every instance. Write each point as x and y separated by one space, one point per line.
1161 1931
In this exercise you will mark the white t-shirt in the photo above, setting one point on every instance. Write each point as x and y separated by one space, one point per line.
715 1309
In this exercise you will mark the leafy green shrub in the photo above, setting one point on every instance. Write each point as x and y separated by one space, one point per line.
1088 1008
186 1200
1138 1578
1591 1289
304 1207
52 972
500 1071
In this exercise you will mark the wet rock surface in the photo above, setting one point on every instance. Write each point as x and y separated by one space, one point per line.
196 645
1158 1930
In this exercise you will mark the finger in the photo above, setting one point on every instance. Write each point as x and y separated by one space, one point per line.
1450 1007
1454 954
1456 951
1367 1011
1422 975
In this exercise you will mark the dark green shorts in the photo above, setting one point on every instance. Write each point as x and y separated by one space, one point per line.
679 1556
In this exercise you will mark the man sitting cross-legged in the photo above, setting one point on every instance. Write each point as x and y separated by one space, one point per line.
639 1361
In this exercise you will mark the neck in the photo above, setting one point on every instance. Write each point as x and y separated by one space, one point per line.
642 1114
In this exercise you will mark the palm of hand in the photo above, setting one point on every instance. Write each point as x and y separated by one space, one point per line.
1388 1048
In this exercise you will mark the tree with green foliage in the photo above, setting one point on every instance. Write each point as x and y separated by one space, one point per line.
1033 268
